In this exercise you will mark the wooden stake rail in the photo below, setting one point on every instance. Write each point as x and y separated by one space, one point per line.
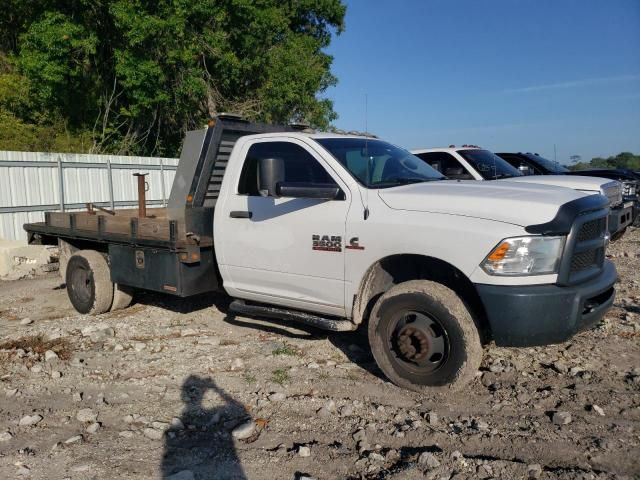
125 226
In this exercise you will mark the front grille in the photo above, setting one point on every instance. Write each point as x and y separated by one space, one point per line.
590 258
585 247
591 230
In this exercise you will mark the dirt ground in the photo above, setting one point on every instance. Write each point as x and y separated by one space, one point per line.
156 391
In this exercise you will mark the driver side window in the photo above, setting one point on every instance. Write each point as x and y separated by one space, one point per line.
300 166
446 164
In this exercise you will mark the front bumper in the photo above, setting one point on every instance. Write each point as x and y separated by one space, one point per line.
524 316
621 217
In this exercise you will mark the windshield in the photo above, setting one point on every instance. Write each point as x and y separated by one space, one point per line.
553 167
488 164
378 164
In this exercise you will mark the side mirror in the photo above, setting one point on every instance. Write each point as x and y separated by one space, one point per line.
270 174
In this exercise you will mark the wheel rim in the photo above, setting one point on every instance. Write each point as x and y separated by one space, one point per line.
417 343
81 284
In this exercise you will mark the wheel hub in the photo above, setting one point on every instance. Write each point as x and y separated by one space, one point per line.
413 343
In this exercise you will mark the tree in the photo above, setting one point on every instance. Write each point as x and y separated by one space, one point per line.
136 74
622 160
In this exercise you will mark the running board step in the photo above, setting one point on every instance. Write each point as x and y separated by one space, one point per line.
274 313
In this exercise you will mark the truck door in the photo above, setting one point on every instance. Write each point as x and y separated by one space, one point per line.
288 251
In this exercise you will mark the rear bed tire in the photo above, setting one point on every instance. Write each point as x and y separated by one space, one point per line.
122 297
423 337
89 283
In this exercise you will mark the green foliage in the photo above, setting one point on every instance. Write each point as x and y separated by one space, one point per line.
134 75
622 160
286 349
280 376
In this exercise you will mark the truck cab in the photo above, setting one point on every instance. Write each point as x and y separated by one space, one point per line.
475 163
348 231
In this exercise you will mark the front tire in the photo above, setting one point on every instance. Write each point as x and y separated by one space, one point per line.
423 337
89 283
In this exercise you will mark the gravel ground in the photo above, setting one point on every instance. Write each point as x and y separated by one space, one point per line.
180 390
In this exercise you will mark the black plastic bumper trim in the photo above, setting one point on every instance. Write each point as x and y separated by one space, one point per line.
529 315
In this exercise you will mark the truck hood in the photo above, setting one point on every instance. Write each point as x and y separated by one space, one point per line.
568 181
510 202
611 189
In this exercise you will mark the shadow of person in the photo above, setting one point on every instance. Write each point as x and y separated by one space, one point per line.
201 446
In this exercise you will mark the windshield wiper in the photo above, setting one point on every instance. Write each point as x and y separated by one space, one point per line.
395 181
503 175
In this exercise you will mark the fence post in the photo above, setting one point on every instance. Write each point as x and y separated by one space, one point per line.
164 196
61 182
110 172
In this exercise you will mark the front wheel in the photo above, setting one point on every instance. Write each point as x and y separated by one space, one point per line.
423 337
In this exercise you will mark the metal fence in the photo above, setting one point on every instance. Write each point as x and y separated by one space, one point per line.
32 183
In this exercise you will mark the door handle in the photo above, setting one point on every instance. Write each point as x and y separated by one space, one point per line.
240 214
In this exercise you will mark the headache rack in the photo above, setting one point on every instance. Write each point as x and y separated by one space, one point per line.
180 236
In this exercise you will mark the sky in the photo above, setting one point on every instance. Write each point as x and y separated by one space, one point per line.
508 75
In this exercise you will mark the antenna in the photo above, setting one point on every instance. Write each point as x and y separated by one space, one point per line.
366 149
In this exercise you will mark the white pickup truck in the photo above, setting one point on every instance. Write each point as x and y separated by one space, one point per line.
475 163
341 231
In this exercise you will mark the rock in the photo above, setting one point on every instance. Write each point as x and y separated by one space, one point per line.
74 439
77 397
598 410
23 471
346 410
26 321
36 368
428 459
153 434
313 365
244 430
30 420
188 332
182 475
561 418
304 451
93 428
480 425
360 435
5 436
86 415
323 412
98 333
534 471
237 364
126 434
177 423
11 392
50 355
139 346
81 468
211 341
163 426
375 457
56 374
432 418
277 397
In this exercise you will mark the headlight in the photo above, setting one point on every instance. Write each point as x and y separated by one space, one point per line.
613 191
525 256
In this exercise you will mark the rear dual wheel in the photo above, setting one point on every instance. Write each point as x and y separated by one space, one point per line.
423 337
89 284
